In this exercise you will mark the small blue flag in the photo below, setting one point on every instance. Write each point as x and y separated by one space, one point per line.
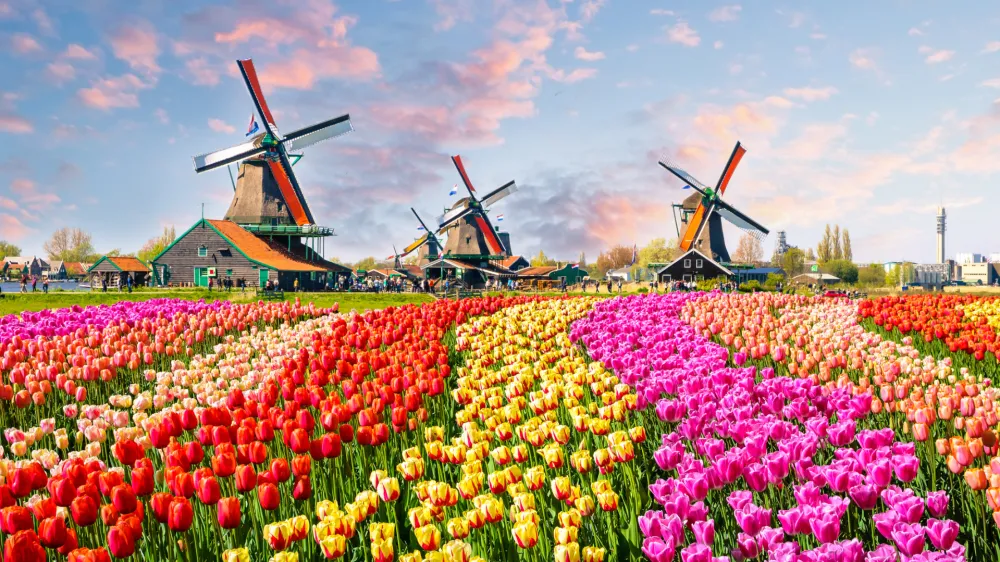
421 227
686 187
253 128
454 190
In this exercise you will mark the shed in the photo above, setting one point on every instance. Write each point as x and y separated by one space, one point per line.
57 269
692 266
819 278
109 270
570 272
758 274
624 273
515 263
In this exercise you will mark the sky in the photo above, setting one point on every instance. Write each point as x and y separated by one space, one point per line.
864 114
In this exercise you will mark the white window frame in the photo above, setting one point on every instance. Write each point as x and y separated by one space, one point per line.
699 263
687 262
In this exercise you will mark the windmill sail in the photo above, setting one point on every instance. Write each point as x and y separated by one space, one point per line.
498 194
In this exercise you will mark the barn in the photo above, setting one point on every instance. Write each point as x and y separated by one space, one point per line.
692 266
106 272
221 249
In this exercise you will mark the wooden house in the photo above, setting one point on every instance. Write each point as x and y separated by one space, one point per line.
222 249
18 266
75 269
57 270
109 270
692 266
515 263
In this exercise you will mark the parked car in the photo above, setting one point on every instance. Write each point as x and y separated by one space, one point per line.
833 293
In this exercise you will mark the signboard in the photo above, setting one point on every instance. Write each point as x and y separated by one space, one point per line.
211 272
814 268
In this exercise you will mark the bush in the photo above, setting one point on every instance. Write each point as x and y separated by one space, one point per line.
642 290
751 286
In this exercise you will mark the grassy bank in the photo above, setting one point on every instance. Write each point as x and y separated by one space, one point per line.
15 303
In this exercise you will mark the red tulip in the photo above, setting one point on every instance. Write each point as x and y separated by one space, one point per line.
6 497
62 490
268 496
88 555
84 511
109 515
142 481
347 433
70 544
52 532
209 491
332 445
43 509
365 435
16 518
303 488
127 452
123 498
246 478
224 464
301 465
120 542
228 511
23 546
280 470
180 515
184 484
108 481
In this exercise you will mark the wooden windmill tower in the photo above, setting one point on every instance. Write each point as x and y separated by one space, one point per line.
267 199
428 245
702 212
471 235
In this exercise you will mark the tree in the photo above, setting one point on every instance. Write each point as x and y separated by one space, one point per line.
845 270
8 249
157 244
657 251
69 244
810 255
872 275
892 277
837 253
581 260
793 262
615 258
749 250
845 245
366 264
824 250
541 260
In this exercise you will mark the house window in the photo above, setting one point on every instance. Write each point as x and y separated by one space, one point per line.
687 262
229 273
202 251
687 277
698 263
225 252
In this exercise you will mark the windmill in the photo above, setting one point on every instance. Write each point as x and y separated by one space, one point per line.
707 209
429 239
470 233
267 191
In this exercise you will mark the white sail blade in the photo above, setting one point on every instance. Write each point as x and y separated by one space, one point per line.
226 156
308 136
499 194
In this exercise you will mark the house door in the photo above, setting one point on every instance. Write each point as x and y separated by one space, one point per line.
263 277
201 276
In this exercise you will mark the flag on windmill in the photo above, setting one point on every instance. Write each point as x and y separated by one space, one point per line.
500 217
421 227
253 128
454 190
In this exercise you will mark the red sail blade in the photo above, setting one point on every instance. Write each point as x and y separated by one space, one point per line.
727 174
251 77
687 241
496 247
461 171
288 192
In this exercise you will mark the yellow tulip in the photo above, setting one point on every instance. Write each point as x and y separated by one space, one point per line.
419 516
534 478
285 557
333 546
567 552
411 557
458 527
525 534
593 554
236 555
428 537
457 551
382 551
561 488
564 535
376 476
382 531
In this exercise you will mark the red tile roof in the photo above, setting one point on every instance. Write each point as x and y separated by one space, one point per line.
75 268
259 250
128 263
542 271
510 261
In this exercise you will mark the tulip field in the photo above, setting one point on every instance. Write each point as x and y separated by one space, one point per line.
698 427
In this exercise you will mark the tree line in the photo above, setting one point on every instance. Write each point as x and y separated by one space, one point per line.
73 244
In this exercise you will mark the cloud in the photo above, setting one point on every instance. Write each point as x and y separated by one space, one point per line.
661 12
29 196
811 94
682 33
914 32
161 116
779 102
43 21
60 71
15 124
725 13
935 56
991 83
203 74
74 51
992 47
863 59
589 9
817 36
632 48
717 44
451 12
108 93
23 43
13 229
136 44
585 55
220 126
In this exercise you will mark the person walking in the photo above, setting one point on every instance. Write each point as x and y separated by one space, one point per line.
24 283
295 285
45 285
34 283
129 283
210 284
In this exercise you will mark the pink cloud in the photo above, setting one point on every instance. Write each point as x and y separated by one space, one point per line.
589 9
136 44
935 56
863 59
15 124
60 71
13 228
43 21
203 73
725 13
7 203
74 51
220 126
992 47
575 75
23 43
107 93
585 55
451 12
811 94
29 196
307 66
683 34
